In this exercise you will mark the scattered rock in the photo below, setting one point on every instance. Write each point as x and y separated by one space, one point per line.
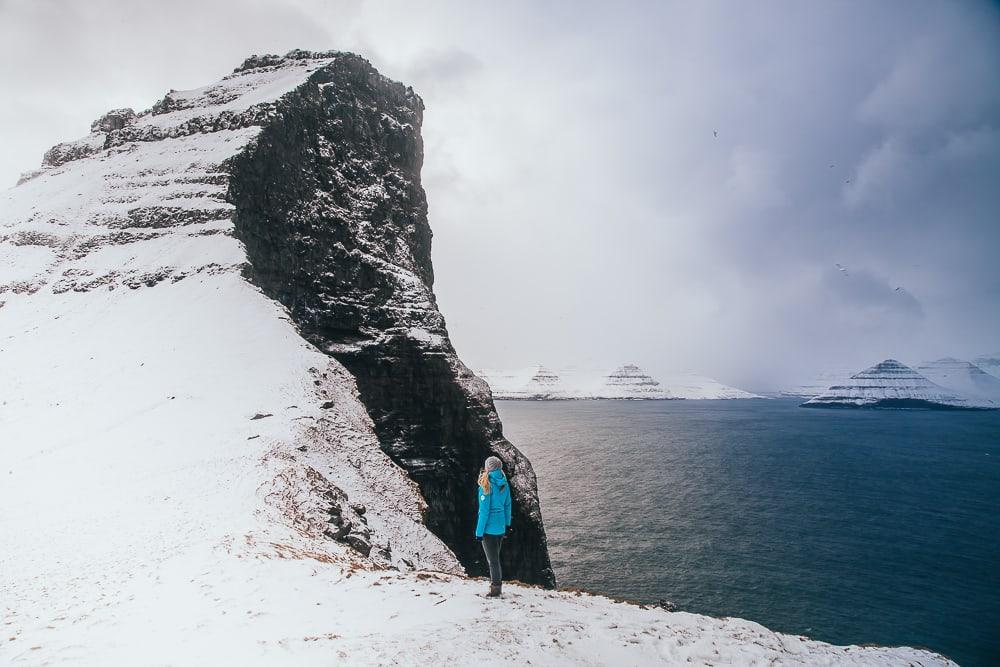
360 544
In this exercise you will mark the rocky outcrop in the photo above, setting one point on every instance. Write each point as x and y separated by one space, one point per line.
67 152
329 205
890 384
113 120
97 140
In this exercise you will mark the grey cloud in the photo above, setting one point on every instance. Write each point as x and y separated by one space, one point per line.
871 298
447 67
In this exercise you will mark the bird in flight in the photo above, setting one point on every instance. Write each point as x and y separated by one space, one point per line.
715 133
842 269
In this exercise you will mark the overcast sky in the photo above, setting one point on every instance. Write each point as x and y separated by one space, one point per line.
584 210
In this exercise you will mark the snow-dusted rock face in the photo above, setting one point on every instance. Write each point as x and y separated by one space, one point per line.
965 379
329 206
891 384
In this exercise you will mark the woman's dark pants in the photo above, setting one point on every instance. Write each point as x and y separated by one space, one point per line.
491 545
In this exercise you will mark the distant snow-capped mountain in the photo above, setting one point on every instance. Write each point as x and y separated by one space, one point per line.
535 383
625 382
540 383
964 378
989 363
630 381
891 384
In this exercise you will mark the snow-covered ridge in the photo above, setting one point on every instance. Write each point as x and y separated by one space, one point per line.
245 98
186 480
695 386
892 384
624 382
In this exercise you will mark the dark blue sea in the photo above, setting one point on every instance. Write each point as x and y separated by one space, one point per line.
847 526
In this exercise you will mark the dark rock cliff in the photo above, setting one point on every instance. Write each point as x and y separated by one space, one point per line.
330 207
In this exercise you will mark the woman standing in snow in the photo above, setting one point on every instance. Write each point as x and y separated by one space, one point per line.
494 517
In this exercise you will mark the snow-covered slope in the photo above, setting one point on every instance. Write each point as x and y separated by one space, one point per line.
695 386
891 384
186 480
964 379
989 363
625 382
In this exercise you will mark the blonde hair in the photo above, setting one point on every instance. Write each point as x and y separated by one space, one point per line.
484 481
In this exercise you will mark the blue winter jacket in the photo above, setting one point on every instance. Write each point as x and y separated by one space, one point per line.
494 507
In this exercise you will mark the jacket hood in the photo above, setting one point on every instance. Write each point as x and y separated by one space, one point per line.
497 477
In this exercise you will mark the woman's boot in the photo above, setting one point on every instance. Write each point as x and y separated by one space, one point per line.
494 591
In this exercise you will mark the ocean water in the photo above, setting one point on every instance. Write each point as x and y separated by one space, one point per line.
847 526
